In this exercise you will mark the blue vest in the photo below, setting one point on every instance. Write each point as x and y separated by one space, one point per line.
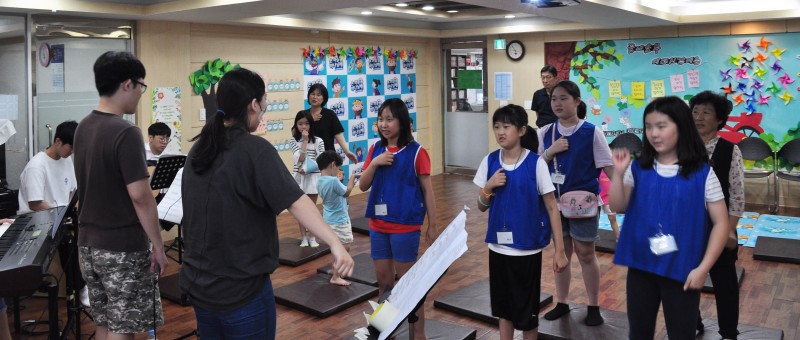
397 186
679 204
518 206
577 163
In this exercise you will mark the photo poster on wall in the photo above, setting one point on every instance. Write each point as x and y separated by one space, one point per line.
167 109
757 73
359 80
57 65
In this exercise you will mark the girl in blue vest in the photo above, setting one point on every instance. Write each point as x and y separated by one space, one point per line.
667 241
523 213
576 151
398 170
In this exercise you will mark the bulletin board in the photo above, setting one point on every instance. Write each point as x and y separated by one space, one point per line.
758 73
359 79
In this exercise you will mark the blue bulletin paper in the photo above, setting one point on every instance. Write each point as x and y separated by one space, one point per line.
757 73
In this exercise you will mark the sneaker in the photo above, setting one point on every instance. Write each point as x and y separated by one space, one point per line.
313 242
83 295
304 243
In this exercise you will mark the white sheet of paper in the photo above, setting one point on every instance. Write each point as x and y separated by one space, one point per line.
3 228
171 206
527 104
451 244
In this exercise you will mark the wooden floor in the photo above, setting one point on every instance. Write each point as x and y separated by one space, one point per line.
770 293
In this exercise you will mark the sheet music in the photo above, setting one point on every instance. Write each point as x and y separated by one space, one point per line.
57 222
3 228
171 206
449 246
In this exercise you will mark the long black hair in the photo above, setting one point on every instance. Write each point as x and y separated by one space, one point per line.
235 91
516 115
296 134
399 111
690 149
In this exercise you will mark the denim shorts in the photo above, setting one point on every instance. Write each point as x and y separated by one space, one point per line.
581 229
399 247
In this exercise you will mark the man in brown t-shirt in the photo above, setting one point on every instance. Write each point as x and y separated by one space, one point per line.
118 218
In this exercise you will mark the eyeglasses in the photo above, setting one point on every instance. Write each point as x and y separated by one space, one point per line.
163 139
143 85
547 77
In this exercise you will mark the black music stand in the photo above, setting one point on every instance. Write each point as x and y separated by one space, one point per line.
166 169
74 307
412 317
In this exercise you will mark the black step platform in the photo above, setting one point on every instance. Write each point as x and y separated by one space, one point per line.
360 225
473 301
291 254
438 330
169 289
745 332
708 287
317 296
571 326
605 241
777 249
363 272
434 330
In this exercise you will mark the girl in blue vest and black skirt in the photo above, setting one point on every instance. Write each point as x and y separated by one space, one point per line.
523 213
576 152
667 241
398 170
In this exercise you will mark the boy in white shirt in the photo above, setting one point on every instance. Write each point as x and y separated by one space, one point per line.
158 137
49 177
48 181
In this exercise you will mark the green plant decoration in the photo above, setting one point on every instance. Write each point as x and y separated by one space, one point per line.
593 56
202 79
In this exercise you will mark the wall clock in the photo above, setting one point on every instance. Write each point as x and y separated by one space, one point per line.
515 50
44 54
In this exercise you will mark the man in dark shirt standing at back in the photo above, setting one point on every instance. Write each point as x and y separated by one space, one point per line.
118 218
541 98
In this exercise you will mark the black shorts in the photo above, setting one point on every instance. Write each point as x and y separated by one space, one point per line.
514 288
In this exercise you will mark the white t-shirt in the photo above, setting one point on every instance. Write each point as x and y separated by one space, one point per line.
713 189
543 184
148 154
46 179
602 153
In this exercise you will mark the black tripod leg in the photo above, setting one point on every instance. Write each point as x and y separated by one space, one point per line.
17 321
52 304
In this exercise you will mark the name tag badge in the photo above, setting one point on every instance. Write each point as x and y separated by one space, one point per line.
381 210
505 237
663 244
558 178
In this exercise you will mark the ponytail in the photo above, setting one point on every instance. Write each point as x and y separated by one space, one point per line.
235 91
529 140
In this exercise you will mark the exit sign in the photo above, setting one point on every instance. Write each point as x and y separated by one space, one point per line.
499 44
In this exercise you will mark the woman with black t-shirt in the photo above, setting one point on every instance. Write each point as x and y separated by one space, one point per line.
326 123
234 185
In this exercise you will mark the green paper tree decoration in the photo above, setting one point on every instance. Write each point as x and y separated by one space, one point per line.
202 79
594 56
